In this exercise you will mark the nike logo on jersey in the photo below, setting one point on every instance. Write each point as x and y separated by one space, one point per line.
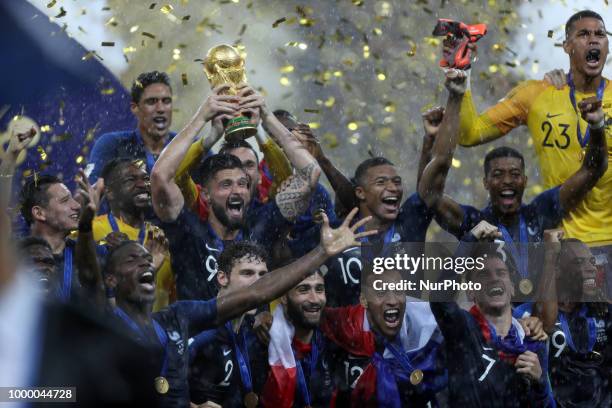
212 249
487 348
226 352
549 116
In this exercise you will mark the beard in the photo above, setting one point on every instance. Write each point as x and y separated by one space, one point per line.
221 215
294 312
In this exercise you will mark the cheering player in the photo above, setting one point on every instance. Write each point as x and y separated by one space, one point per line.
195 245
129 271
580 325
302 366
560 136
505 181
228 364
490 360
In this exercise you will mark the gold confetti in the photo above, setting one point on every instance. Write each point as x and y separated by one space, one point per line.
46 128
133 29
186 18
111 21
51 3
287 69
184 79
82 30
127 50
242 30
79 160
147 34
456 163
166 9
152 6
550 33
366 51
311 110
108 43
390 107
284 81
42 154
278 22
352 126
62 13
107 91
330 102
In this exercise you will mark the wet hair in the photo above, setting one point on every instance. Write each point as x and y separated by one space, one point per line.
367 164
217 162
145 79
500 152
113 167
237 250
236 144
110 259
34 193
578 16
31 241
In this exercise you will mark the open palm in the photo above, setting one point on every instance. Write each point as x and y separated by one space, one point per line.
345 236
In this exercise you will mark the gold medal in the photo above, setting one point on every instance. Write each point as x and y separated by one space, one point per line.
161 385
581 155
525 286
251 400
416 377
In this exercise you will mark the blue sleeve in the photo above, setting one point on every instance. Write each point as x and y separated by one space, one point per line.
415 218
547 205
199 341
200 314
523 310
471 217
542 390
104 149
319 200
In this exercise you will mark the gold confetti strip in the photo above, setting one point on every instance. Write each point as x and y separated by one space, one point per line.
287 69
46 128
278 22
550 33
111 21
186 18
129 49
108 43
79 160
82 30
62 13
147 34
184 79
133 29
51 3
312 110
106 9
242 30
107 91
152 6
42 153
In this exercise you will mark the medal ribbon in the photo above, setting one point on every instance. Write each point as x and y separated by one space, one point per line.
67 284
159 331
115 227
311 363
520 256
600 92
568 333
242 355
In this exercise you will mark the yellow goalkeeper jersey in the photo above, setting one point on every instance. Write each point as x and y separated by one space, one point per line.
551 119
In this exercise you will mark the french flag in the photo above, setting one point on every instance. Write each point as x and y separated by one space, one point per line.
279 390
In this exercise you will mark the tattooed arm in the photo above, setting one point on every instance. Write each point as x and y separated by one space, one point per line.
294 194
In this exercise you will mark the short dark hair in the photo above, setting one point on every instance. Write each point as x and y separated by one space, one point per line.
237 250
367 164
145 79
499 152
217 162
489 250
113 167
109 264
236 144
31 241
580 15
283 114
34 192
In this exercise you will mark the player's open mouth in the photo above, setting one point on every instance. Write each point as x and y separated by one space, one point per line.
160 122
508 196
312 311
143 196
589 284
75 216
592 57
147 280
235 206
495 291
391 202
392 317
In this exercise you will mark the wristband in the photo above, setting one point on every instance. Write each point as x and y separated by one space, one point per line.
598 126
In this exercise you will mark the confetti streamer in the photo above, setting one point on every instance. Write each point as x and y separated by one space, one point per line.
184 79
312 110
278 22
147 34
51 3
62 13
108 43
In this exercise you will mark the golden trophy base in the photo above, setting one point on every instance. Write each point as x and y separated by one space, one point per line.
239 128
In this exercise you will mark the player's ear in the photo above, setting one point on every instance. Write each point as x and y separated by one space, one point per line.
38 213
566 47
134 107
110 281
485 183
360 193
205 194
363 301
283 300
222 278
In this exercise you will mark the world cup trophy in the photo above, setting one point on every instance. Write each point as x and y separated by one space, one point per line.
224 65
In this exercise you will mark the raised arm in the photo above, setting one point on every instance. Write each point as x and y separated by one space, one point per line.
85 257
18 142
294 195
168 200
546 306
433 179
279 281
276 160
431 124
344 189
595 161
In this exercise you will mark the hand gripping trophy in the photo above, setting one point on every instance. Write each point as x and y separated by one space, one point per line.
224 65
